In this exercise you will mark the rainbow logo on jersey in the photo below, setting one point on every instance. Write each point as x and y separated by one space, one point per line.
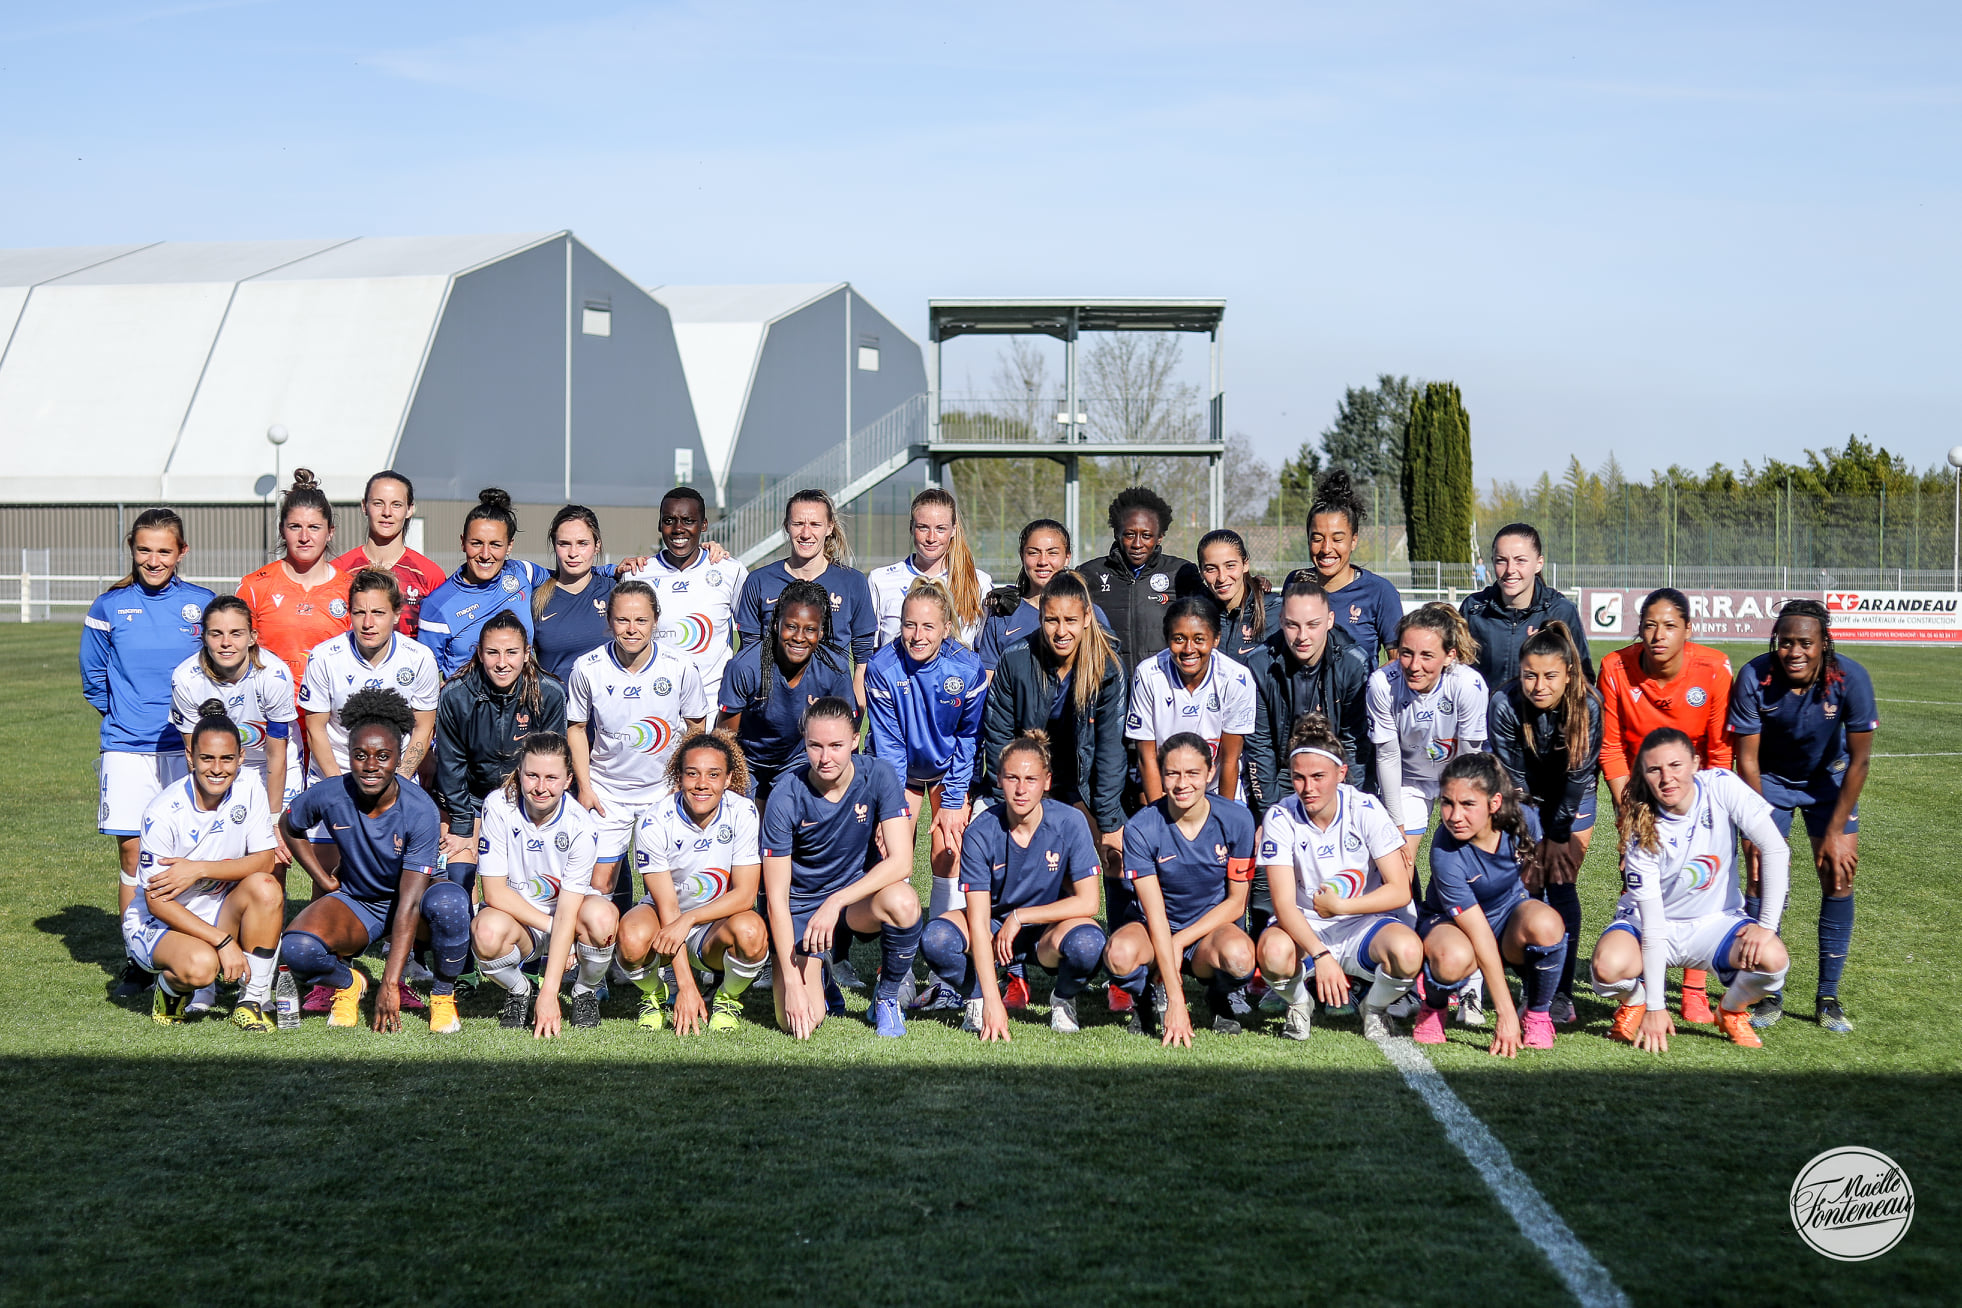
539 887
253 733
1702 871
1347 884
702 886
692 634
1439 750
649 735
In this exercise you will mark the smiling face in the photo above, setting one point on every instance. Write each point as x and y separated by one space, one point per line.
1543 679
542 779
808 525
215 756
1315 778
1024 781
501 654
933 534
306 535
1516 563
575 546
388 507
155 554
1799 643
922 627
1465 809
1185 773
1138 535
1305 623
228 640
1421 654
486 544
1191 642
631 619
1665 633
373 754
371 617
828 745
1331 540
799 629
704 779
1670 770
1044 554
1063 623
681 528
1225 572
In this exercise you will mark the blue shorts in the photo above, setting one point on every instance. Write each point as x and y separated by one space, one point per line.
1584 814
1497 918
1025 941
800 918
1818 816
374 914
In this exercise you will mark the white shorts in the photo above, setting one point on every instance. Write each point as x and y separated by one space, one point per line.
1349 938
696 938
141 934
1694 942
616 829
1417 809
127 782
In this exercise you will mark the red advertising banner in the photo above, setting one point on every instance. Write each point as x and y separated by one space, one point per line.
1895 615
1611 613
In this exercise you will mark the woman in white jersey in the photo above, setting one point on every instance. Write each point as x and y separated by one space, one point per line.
940 552
697 856
535 861
636 701
370 655
1681 906
207 905
256 692
697 593
1341 885
1425 709
1190 686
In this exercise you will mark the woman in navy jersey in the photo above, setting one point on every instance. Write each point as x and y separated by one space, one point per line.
1250 609
819 553
568 610
1011 610
772 681
1190 859
1803 717
1365 604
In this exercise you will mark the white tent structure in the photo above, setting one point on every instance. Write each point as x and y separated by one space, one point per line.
779 374
151 373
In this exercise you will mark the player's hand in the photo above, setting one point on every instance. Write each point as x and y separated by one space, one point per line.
690 1011
820 929
1327 902
1839 859
994 1019
1110 848
545 1015
1560 860
231 961
1331 982
1178 1019
1507 1036
388 1005
628 567
171 877
1011 927
1655 1031
282 852
803 1009
948 824
1748 954
715 550
672 939
457 849
592 802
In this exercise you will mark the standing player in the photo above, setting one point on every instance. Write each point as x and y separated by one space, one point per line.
1662 680
208 905
822 868
1477 915
772 681
371 655
1189 858
1311 665
385 882
940 553
1682 907
1250 609
635 701
1340 882
819 553
1012 613
697 856
389 502
135 635
697 594
1424 709
1365 603
568 608
256 694
1029 871
536 859
1546 731
1517 604
299 599
1137 579
1190 687
1803 718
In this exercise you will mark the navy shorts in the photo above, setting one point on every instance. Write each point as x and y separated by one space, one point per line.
1818 816
374 913
1428 921
1025 941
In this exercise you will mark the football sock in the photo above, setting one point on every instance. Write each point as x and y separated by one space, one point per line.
1566 901
1386 989
508 970
897 946
163 984
1544 964
1221 984
945 895
463 874
1695 978
1835 940
1081 951
1624 993
1133 983
446 907
737 974
1747 988
945 948
1294 989
1437 994
260 965
593 960
312 963
841 943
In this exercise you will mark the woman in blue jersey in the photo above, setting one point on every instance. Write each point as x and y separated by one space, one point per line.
837 853
1803 717
1189 858
135 635
924 694
1011 611
774 679
386 884
1545 727
1250 609
1364 603
820 554
568 609
1477 915
1029 871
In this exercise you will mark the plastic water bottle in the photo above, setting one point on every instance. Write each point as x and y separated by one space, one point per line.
286 1000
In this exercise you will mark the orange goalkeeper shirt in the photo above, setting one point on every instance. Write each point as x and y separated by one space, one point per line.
1633 704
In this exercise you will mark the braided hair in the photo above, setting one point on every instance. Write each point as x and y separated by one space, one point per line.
1452 631
798 592
1830 675
378 706
1483 771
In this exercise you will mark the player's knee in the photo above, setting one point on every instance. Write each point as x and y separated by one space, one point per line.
944 945
751 939
1082 947
1543 928
1236 953
1278 956
446 908
599 920
1402 953
263 891
1450 959
200 966
899 905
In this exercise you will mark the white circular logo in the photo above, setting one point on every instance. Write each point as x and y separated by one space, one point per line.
238 813
1160 582
405 676
1852 1204
511 584
714 577
338 608
952 685
1696 697
662 685
1446 706
1351 841
725 833
190 613
562 842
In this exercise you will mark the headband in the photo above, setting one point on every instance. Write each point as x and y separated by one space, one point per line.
1317 749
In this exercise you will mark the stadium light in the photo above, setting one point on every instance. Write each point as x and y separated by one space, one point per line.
1955 462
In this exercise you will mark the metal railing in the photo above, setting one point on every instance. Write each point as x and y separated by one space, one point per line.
1098 420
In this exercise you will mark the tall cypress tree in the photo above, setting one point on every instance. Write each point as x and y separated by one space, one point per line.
1438 492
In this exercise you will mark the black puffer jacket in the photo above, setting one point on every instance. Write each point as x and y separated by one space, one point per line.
478 729
1136 601
1243 629
1285 689
1019 699
1500 630
1541 768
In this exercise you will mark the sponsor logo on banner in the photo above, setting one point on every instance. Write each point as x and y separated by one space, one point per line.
1895 615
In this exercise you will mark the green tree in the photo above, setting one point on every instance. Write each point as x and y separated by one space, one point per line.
1438 493
1366 438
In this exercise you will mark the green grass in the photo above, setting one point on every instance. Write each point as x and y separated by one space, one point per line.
192 1165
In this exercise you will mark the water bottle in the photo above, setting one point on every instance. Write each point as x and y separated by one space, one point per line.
286 1000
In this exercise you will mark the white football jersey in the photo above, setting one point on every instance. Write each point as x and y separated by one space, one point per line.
336 670
1161 706
889 586
260 696
634 719
1430 729
538 859
699 858
698 606
1694 873
1344 855
175 827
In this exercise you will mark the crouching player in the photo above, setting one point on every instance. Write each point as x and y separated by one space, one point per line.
386 830
1682 906
1340 882
1029 869
1477 914
1190 858
207 905
535 855
837 846
697 855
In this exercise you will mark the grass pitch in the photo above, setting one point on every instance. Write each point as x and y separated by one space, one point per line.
145 1165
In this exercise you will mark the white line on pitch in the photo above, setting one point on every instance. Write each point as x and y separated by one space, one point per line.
1953 753
1585 1278
1952 703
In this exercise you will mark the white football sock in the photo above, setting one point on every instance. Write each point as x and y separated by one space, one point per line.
1386 989
593 960
508 971
259 978
737 975
945 895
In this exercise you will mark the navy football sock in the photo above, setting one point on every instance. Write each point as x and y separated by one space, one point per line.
946 953
1566 901
446 908
1437 994
1753 904
312 963
1543 968
1133 982
1082 949
1221 984
1835 941
897 945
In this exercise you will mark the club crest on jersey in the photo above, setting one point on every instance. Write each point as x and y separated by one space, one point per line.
837 601
1160 582
715 577
1212 702
1445 706
522 718
1054 859
1355 613
953 685
102 814
510 584
724 834
190 613
562 842
1696 697
337 608
1830 709
238 814
1352 842
663 686
1219 852
404 676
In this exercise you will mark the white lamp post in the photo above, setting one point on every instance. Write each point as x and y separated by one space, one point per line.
1955 462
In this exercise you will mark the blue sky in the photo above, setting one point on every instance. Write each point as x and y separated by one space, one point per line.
1683 232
